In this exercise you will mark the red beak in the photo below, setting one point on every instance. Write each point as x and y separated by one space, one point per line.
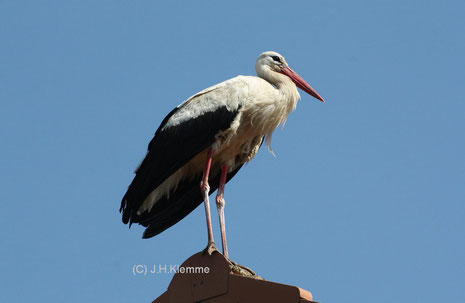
300 83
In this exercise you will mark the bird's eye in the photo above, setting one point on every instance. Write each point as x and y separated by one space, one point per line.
276 58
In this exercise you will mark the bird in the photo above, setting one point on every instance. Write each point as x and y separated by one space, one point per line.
203 142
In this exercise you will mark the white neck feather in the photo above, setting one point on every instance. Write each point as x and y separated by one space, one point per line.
275 113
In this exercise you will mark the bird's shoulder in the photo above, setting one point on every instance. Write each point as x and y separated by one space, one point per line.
225 96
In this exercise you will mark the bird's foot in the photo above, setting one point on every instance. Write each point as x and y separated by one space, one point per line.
211 247
242 270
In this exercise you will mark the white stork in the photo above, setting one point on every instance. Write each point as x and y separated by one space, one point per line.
205 141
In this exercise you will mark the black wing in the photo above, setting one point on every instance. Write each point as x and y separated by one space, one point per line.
169 150
182 202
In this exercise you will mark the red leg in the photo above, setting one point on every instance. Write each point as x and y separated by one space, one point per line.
205 189
220 205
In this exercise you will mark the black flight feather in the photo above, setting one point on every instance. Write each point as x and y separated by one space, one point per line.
182 202
169 150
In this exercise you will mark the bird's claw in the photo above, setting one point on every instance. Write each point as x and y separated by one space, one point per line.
211 247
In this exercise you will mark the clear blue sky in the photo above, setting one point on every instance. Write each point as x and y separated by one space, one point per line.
365 201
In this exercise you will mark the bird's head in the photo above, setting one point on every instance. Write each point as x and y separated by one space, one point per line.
271 65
